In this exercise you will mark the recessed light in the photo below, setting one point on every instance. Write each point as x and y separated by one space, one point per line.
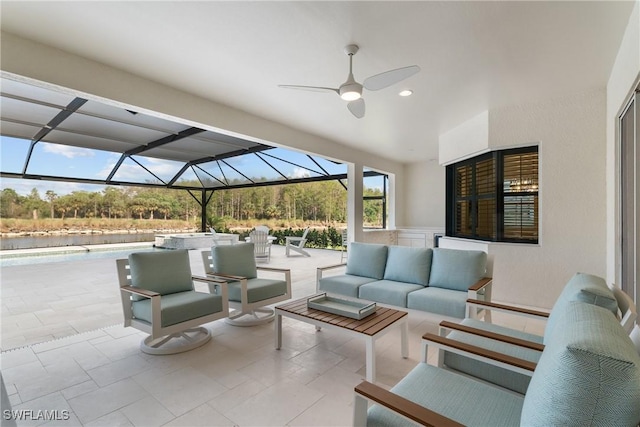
406 93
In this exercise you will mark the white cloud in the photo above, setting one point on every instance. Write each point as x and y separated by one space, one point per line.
68 151
299 173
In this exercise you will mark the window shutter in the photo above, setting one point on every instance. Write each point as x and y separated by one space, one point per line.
520 187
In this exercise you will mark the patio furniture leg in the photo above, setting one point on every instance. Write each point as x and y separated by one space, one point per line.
278 326
371 359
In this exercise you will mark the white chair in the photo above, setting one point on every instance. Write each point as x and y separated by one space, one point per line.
158 297
230 239
262 245
345 245
296 244
248 294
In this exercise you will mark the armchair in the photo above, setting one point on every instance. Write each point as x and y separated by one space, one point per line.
588 374
158 297
248 294
296 244
461 345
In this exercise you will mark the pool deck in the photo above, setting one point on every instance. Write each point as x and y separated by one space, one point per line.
46 301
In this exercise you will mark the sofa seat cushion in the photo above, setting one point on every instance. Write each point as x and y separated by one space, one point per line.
409 265
442 391
344 284
457 269
367 260
257 289
493 374
164 272
588 374
387 292
439 301
179 307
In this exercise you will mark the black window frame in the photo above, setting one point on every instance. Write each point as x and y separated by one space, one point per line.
453 199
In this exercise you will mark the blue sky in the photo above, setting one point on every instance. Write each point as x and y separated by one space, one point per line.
76 162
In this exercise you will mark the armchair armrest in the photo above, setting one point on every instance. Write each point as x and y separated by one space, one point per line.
208 280
226 276
507 308
478 353
140 291
492 335
277 270
480 284
398 404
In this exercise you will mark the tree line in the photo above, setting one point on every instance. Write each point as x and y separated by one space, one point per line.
324 201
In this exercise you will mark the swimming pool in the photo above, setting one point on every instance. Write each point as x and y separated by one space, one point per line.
75 253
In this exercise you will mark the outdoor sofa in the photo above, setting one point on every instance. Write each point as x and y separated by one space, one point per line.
436 280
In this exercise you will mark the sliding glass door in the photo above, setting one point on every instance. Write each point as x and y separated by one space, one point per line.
629 190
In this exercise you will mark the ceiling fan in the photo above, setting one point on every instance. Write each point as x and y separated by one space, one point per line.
351 90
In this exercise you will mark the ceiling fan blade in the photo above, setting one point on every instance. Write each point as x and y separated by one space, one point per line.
357 108
311 88
386 79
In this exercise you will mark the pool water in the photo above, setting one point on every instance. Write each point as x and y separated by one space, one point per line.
62 256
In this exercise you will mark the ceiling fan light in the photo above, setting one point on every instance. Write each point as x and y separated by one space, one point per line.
350 96
350 91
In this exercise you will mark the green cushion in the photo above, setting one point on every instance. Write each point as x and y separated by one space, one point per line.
457 269
179 307
258 289
439 301
235 260
164 272
588 374
387 292
367 260
585 288
410 265
465 400
343 284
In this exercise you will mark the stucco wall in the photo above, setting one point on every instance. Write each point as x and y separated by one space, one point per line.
570 132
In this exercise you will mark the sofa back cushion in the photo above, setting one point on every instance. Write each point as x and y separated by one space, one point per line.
367 260
588 373
409 265
582 287
457 269
164 272
235 260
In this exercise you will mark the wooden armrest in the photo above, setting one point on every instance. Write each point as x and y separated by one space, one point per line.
207 279
512 308
140 291
492 335
482 352
225 276
403 406
329 267
277 270
480 284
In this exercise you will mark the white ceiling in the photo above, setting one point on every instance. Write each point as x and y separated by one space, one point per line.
474 56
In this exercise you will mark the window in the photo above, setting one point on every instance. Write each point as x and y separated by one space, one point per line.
494 196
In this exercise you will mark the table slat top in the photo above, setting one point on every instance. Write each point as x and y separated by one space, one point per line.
370 325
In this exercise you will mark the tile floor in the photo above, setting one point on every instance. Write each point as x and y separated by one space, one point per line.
99 377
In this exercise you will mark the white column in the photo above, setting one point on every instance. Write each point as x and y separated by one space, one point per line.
354 202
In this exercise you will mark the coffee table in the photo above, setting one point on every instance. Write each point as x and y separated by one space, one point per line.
369 328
